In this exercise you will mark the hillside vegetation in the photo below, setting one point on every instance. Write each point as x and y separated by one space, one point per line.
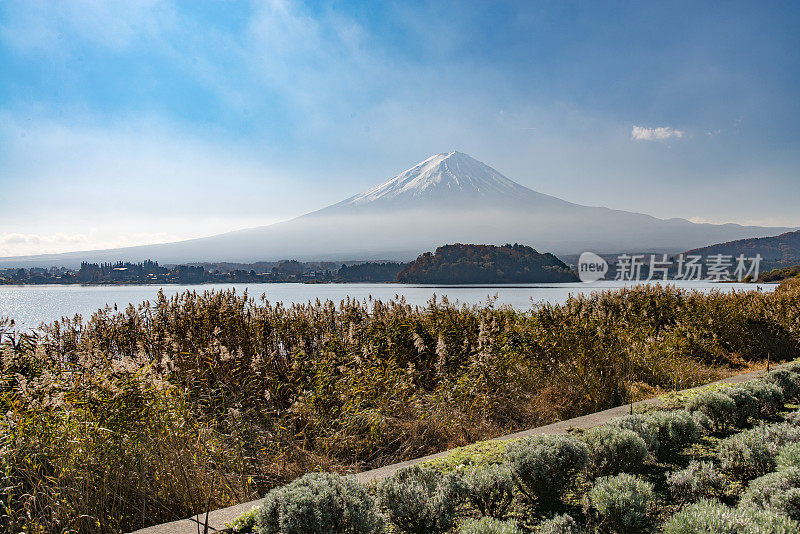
485 264
778 251
199 401
779 275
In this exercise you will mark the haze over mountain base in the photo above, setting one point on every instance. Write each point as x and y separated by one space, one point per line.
448 198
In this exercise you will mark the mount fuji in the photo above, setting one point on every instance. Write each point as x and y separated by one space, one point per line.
451 180
447 198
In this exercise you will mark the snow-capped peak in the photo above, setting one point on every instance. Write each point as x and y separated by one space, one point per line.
449 174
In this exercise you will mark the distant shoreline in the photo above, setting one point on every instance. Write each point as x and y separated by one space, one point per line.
526 285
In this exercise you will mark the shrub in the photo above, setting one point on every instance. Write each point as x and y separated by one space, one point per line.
642 425
718 407
613 450
744 456
787 381
703 421
782 432
776 492
747 406
489 525
323 503
674 430
490 489
245 522
752 453
793 417
788 456
560 524
770 397
420 500
543 466
622 502
713 517
698 480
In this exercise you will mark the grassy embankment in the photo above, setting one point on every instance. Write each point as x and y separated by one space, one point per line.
199 401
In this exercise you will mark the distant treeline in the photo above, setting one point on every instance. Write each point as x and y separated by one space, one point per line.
778 275
486 264
371 272
150 272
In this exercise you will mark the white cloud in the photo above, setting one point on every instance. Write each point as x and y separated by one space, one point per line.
28 244
641 133
13 244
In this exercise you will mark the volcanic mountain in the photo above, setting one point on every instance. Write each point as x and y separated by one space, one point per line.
447 198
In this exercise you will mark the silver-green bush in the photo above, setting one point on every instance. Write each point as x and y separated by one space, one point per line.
490 489
699 480
323 503
775 492
745 455
788 456
560 524
420 500
621 503
752 453
703 421
674 430
614 450
782 432
489 525
718 407
713 517
642 425
770 397
787 381
747 406
793 417
543 466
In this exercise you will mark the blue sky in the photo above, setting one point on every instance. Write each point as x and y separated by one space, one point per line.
135 122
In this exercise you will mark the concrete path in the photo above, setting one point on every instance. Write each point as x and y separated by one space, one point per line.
218 518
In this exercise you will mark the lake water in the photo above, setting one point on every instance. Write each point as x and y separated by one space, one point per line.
31 305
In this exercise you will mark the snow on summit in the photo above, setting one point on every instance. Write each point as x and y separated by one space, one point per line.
445 174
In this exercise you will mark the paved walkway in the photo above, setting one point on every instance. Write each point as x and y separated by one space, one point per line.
218 518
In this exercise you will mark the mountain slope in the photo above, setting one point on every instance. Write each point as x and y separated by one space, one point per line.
447 198
783 248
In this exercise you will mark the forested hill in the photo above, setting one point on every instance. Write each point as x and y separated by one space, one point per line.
485 264
782 249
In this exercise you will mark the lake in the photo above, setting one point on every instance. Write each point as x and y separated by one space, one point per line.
31 305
